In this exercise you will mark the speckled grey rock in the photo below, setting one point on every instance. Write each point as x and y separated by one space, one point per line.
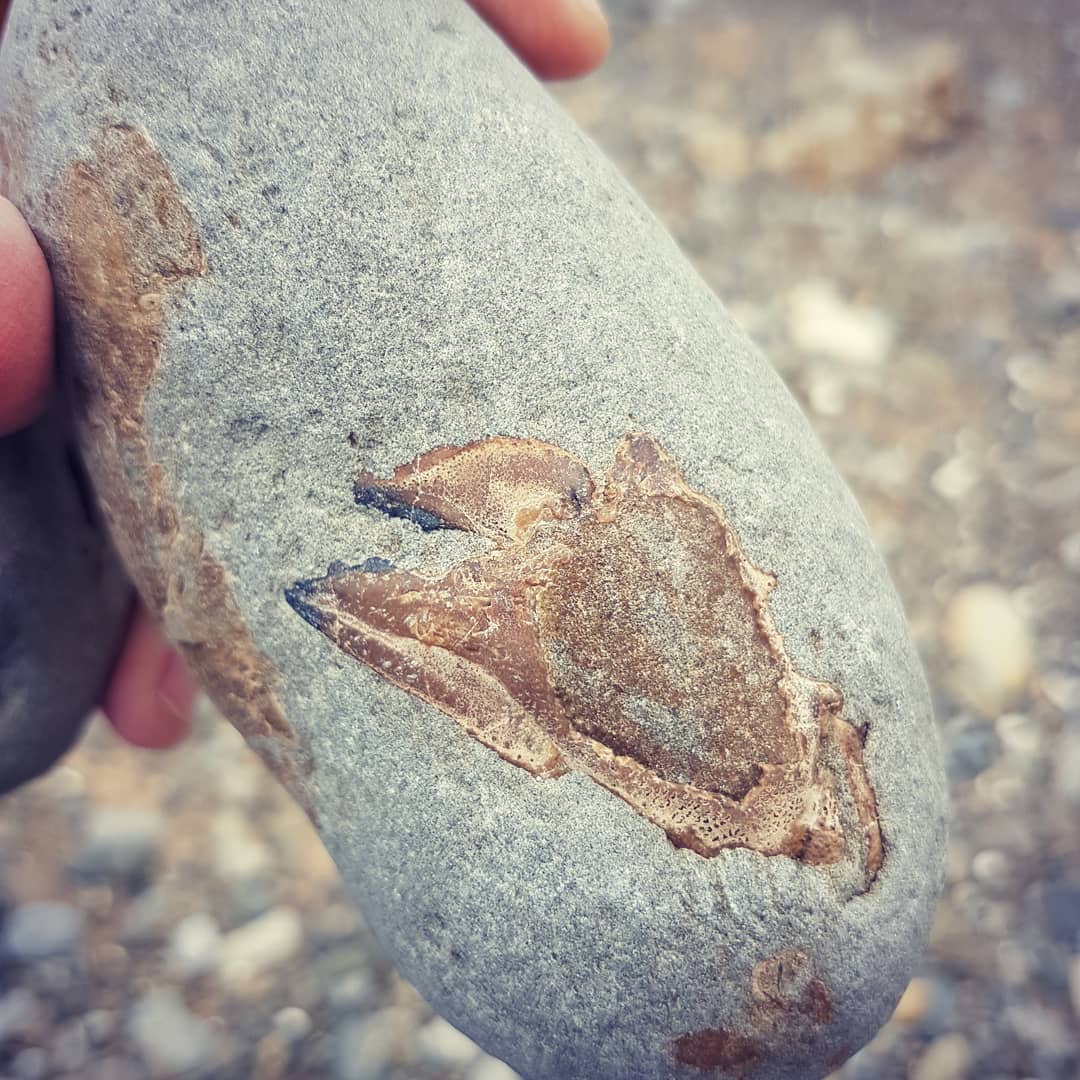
607 710
63 601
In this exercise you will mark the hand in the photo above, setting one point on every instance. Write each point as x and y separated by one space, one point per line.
150 693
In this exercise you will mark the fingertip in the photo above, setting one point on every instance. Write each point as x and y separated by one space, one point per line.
558 39
26 322
151 695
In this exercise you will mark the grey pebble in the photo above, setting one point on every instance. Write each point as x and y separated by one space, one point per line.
1067 763
100 1025
41 929
292 1023
353 992
152 913
1043 1029
119 842
971 746
71 1047
114 1067
20 1013
366 1045
31 1063
169 1037
1060 903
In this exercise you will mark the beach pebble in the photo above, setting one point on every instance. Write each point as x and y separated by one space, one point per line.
195 946
441 1045
21 1014
119 842
170 1038
366 1046
261 945
991 645
41 929
822 322
292 1023
948 1057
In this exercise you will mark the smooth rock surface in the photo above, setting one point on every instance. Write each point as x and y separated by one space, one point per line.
63 599
295 251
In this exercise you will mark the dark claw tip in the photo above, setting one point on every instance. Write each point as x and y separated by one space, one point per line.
298 597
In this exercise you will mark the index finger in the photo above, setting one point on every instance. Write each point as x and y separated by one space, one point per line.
26 322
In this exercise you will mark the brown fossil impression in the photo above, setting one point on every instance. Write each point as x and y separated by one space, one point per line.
619 631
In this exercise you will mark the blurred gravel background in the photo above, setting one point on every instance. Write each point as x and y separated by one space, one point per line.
887 195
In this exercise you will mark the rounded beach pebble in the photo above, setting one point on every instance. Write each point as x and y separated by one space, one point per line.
477 514
63 601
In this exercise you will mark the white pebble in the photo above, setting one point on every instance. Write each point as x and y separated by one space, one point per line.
194 946
991 868
170 1038
439 1043
489 1068
821 321
292 1023
955 479
948 1057
261 945
991 646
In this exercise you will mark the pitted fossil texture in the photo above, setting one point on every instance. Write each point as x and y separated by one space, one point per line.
616 629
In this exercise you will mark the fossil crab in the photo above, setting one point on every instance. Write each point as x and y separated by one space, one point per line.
618 630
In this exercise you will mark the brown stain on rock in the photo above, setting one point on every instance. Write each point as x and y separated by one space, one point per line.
788 1001
714 1048
129 242
615 629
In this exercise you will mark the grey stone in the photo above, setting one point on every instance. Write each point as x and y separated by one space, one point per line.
170 1038
292 1023
71 1047
41 929
115 1068
338 237
119 842
151 913
30 1063
353 992
20 1013
63 600
100 1025
365 1047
